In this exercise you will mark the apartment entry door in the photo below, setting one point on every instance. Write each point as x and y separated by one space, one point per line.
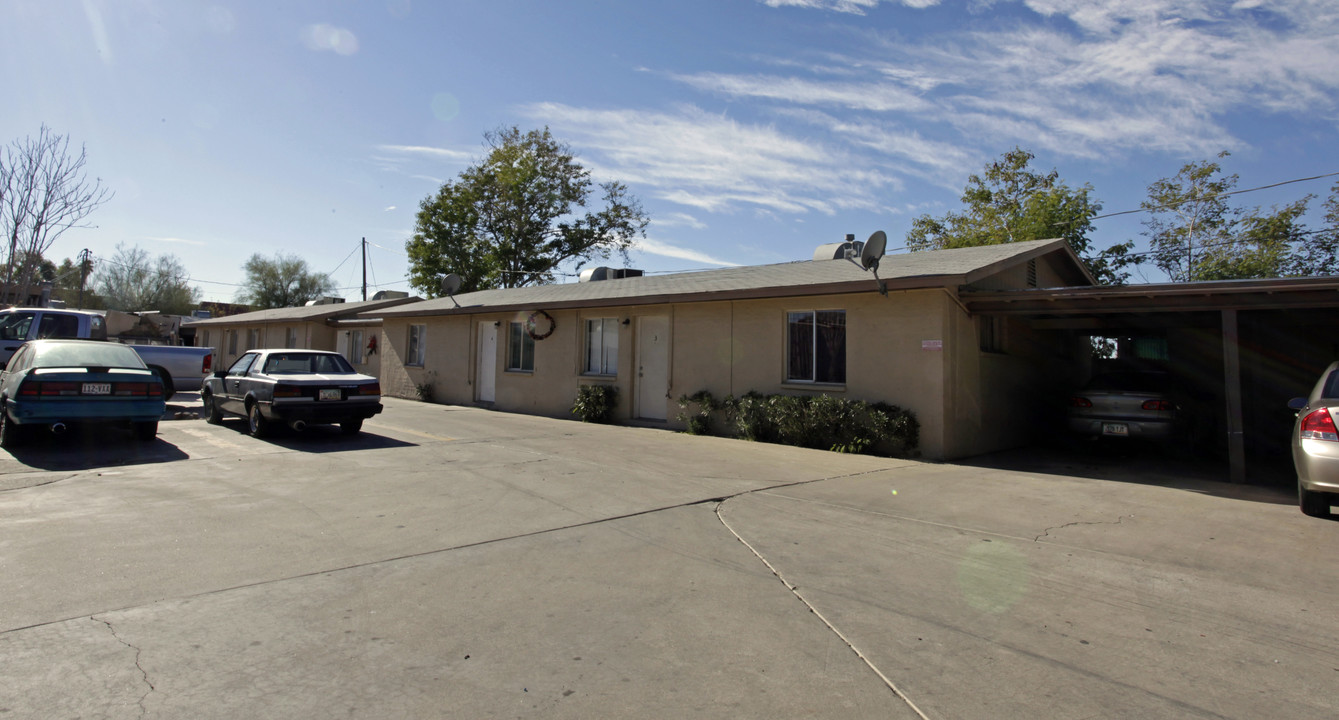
485 377
652 367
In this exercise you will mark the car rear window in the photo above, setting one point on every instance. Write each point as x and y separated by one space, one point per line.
295 363
1130 382
84 354
1331 385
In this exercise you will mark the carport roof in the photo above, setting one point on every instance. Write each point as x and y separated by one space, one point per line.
306 313
939 268
1260 294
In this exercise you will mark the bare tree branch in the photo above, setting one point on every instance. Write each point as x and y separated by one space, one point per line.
44 191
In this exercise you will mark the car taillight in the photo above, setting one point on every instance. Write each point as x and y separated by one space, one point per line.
372 389
207 364
287 391
1081 402
1158 405
1318 425
137 389
39 389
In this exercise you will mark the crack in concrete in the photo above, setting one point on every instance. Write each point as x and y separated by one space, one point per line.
795 590
143 674
1048 530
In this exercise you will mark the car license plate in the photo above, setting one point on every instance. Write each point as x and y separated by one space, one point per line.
1115 429
329 394
97 389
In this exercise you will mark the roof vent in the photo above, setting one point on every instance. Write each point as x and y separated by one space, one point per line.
607 273
840 251
325 301
390 295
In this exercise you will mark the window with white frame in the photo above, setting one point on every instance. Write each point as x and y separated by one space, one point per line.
292 340
232 342
520 349
816 346
416 352
253 339
601 346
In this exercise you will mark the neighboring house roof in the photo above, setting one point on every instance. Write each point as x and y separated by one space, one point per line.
306 313
937 268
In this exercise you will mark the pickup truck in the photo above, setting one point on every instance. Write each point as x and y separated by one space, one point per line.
179 367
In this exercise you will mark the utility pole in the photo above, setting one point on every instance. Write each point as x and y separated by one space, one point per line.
83 273
364 268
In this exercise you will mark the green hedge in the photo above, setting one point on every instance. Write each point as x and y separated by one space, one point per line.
824 422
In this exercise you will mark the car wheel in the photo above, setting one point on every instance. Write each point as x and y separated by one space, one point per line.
351 427
146 431
1313 503
256 423
168 389
9 430
213 415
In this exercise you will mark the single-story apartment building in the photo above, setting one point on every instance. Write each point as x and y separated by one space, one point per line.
349 328
975 382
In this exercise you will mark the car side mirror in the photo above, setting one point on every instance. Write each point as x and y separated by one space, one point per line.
220 374
1297 403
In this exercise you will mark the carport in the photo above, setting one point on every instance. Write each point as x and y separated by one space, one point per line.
1245 346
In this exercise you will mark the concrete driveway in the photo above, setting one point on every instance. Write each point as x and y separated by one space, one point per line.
455 562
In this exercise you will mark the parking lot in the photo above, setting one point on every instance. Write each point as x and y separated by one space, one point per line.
456 562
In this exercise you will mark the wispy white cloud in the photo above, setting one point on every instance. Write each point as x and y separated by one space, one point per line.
664 249
678 220
389 208
178 241
855 7
875 97
714 163
432 153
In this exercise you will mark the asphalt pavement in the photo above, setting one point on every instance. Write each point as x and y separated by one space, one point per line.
456 562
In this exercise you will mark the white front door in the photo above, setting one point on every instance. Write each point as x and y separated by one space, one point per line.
652 367
486 377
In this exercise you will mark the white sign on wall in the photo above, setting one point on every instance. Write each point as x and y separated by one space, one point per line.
933 345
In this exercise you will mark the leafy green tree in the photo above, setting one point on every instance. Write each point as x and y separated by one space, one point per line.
131 281
1009 202
281 281
511 219
66 285
1195 233
1318 253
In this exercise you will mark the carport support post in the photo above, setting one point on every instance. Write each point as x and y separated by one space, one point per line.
1236 447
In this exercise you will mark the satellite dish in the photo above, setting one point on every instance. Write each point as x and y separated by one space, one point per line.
450 284
873 250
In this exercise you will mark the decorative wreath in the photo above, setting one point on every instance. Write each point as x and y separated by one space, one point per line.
530 325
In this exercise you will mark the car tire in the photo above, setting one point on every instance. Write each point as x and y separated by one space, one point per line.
168 389
146 431
351 427
9 430
257 425
1313 503
213 415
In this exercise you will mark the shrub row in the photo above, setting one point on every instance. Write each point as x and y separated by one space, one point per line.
824 422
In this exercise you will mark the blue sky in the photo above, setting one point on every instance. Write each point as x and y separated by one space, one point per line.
752 131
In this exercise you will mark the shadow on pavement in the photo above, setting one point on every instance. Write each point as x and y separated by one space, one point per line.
320 438
86 447
1269 479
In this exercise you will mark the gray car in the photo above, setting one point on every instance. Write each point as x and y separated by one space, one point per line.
293 387
1133 404
1315 445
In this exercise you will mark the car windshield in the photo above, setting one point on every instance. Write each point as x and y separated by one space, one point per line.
86 354
1129 382
294 363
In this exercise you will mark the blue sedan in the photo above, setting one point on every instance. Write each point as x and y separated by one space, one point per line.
55 383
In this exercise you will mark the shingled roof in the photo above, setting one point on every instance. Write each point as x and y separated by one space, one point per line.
305 313
938 268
